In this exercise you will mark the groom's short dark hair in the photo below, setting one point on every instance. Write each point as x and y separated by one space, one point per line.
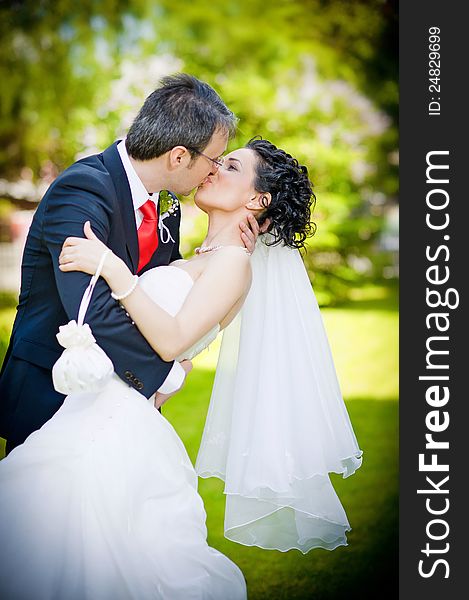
182 111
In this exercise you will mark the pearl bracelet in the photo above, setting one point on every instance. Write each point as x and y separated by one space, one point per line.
132 287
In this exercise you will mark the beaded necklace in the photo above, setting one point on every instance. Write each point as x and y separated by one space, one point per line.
203 249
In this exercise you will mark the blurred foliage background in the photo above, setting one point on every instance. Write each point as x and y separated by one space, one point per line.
319 78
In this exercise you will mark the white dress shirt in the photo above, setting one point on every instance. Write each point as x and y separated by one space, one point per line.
176 376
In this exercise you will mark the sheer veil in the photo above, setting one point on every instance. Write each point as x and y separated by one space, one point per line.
277 424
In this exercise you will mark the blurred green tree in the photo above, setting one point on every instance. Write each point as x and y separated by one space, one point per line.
316 77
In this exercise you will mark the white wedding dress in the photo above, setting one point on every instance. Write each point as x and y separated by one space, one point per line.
101 503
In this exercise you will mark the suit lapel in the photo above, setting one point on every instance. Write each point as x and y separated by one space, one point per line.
114 165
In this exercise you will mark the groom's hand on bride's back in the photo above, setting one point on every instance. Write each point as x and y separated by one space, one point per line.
160 398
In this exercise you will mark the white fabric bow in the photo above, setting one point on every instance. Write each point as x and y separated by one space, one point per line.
83 365
73 335
165 233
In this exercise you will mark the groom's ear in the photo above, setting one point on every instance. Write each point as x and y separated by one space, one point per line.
179 156
260 201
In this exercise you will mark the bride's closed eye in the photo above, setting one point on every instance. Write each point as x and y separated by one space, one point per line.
231 165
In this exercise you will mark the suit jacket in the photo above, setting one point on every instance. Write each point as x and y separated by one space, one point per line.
95 189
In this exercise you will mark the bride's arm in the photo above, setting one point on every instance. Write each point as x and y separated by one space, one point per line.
224 280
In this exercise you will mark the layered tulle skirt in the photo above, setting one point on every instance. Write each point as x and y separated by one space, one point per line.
102 503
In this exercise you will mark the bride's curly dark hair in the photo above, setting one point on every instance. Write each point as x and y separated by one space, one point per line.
292 194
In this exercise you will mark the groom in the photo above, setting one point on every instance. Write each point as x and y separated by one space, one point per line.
173 144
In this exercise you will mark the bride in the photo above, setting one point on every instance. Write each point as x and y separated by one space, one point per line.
102 501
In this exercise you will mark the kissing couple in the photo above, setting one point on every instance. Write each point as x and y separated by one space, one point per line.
98 497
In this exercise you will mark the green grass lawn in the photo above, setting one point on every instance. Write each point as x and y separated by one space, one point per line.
364 340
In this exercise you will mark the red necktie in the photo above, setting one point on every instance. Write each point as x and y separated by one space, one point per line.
147 234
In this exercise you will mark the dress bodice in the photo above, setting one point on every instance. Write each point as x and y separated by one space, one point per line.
169 287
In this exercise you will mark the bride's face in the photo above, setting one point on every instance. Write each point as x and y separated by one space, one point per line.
231 187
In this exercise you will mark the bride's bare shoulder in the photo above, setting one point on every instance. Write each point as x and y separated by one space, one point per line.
232 257
227 265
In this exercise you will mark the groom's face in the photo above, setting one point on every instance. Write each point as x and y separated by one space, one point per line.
232 187
200 166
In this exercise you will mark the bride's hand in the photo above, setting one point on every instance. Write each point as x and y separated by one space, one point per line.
250 231
80 254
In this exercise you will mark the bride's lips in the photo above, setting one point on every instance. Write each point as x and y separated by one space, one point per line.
206 181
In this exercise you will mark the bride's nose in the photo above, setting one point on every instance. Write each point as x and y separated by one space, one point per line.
213 175
216 166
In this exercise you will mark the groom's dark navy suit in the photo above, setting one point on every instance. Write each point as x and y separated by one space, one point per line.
94 189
